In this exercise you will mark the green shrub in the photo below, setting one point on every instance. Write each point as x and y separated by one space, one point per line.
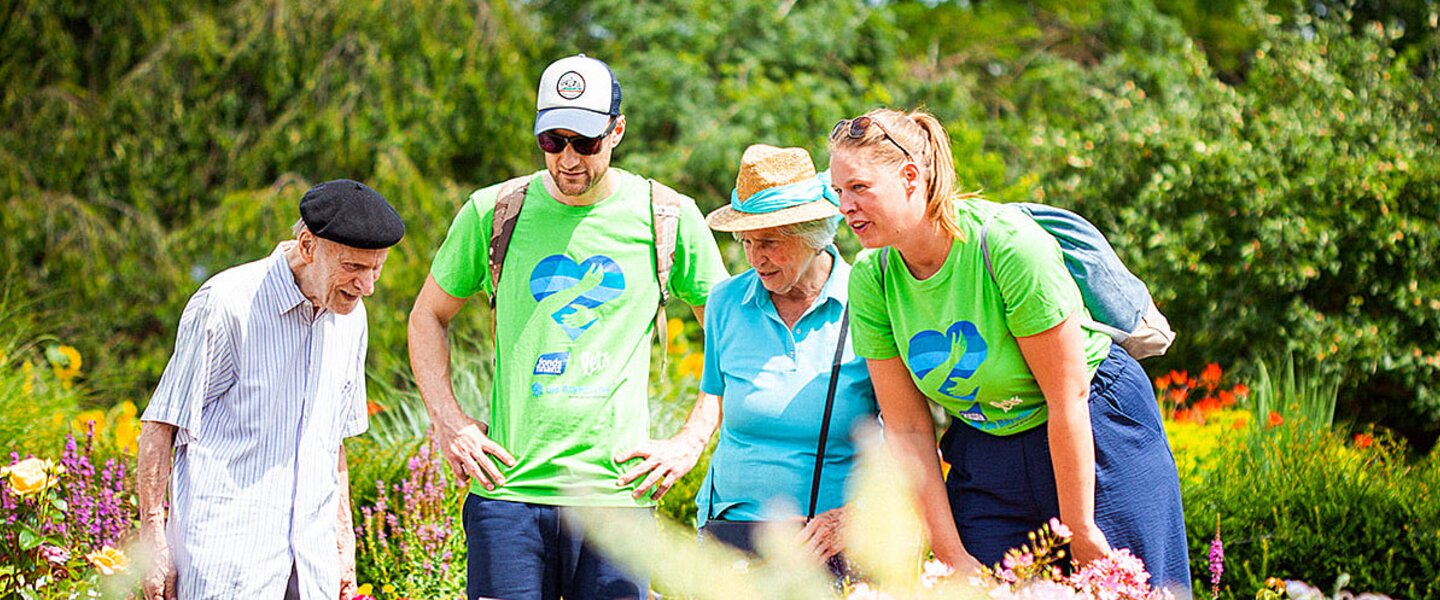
1296 212
1297 503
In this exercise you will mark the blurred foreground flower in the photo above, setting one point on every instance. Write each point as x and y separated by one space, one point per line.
108 560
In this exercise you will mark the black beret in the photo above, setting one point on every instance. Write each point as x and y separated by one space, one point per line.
350 213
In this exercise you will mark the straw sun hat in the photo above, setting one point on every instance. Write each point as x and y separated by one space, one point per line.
776 186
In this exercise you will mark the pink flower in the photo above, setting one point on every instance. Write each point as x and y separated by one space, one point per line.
1060 529
55 554
1013 562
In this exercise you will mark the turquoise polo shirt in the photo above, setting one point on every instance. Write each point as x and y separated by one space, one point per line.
773 381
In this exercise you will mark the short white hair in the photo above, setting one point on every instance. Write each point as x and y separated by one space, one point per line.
818 234
298 228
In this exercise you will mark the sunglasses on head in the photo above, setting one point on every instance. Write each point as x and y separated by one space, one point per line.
554 143
856 128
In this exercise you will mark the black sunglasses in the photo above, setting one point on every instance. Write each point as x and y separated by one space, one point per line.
554 143
856 128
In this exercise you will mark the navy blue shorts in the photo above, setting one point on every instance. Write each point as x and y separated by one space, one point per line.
1002 487
522 551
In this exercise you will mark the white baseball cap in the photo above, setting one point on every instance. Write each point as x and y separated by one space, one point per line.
578 93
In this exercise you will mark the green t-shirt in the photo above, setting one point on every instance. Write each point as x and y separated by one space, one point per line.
956 330
576 313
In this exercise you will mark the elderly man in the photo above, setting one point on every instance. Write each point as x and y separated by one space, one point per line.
588 253
267 379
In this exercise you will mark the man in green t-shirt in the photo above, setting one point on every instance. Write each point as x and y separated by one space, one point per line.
575 309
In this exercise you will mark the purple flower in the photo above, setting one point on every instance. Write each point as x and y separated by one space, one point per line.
1217 563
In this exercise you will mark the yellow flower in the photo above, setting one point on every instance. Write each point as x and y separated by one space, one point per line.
127 435
83 420
28 369
364 590
692 365
388 589
108 561
675 329
30 476
71 368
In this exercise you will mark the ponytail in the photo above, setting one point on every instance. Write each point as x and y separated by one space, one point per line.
919 135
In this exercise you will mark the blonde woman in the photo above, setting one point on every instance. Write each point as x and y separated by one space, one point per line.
1048 419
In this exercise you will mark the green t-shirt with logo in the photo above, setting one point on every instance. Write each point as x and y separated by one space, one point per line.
575 316
956 330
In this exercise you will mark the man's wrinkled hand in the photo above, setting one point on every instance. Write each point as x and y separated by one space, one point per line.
468 451
158 582
665 462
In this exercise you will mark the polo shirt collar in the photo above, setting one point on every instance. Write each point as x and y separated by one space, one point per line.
836 288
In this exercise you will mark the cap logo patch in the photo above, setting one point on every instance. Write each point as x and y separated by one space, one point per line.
570 86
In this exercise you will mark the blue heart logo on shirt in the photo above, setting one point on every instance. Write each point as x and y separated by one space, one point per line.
942 361
570 292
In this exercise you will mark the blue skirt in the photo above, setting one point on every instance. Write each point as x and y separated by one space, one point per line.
1002 487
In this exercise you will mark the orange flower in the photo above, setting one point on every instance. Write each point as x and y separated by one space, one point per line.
1241 390
1275 420
1227 399
372 407
1181 415
1239 423
1211 375
1208 405
1162 382
1177 395
1364 440
1180 377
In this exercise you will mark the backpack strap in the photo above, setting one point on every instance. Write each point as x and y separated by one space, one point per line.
884 260
665 217
508 202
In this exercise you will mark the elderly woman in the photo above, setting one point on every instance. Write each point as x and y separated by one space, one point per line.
1049 419
771 339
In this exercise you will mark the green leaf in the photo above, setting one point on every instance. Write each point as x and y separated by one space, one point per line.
60 504
28 539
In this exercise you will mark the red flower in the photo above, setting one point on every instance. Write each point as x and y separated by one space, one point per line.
1241 390
1180 378
1211 375
1226 398
1177 395
1275 419
1207 406
1364 440
372 407
1162 382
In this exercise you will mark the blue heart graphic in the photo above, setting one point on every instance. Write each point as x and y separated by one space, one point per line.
554 284
930 350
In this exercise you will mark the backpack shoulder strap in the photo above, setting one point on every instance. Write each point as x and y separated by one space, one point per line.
665 208
665 218
884 261
985 247
508 202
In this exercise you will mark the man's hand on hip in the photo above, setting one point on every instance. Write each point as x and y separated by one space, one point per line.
666 461
468 451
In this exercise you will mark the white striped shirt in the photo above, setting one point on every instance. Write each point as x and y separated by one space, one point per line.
263 391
